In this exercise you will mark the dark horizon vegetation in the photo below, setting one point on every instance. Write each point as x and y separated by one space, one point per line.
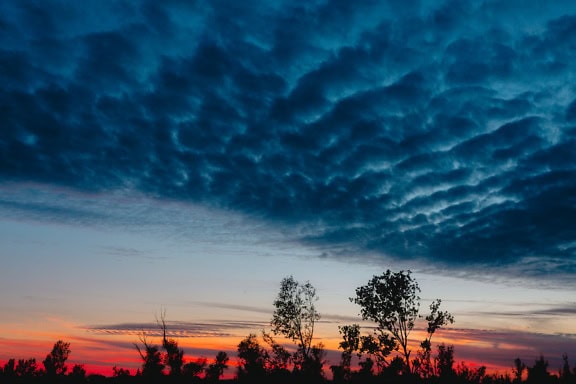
382 353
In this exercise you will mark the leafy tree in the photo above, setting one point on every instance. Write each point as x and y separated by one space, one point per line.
216 369
78 373
445 363
55 361
120 372
295 316
538 373
436 320
391 301
194 369
9 369
312 367
366 371
470 375
278 358
349 345
27 368
253 359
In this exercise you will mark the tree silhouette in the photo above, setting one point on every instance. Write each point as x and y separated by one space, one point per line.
279 358
519 368
216 369
538 373
566 375
349 344
436 320
174 357
445 363
9 370
193 369
391 301
152 365
295 316
78 373
27 368
55 361
253 360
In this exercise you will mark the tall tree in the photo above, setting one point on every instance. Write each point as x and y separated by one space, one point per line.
55 361
391 301
295 316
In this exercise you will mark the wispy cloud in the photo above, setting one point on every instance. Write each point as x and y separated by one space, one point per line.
178 329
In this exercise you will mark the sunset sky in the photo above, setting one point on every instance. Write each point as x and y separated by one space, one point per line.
187 155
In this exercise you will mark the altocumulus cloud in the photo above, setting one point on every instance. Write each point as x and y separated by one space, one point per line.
421 130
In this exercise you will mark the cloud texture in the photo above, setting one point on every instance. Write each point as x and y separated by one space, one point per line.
419 130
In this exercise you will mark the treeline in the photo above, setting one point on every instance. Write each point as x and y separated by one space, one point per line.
377 354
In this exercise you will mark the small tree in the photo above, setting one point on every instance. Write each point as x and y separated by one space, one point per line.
519 368
194 369
120 372
27 368
295 316
445 363
278 358
538 373
566 375
436 320
55 361
349 344
216 370
152 366
78 372
9 370
253 358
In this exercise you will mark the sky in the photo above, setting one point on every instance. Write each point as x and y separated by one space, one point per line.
185 156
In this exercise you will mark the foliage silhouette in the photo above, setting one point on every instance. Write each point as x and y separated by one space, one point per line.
295 316
216 369
253 360
391 301
152 365
174 356
194 369
55 361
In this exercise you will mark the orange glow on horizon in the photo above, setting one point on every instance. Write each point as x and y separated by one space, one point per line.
98 353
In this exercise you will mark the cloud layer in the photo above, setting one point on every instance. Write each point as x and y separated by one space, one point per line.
419 130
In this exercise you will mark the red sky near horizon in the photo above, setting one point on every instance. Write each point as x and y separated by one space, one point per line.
99 353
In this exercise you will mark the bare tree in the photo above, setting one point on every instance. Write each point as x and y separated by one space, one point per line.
152 365
174 357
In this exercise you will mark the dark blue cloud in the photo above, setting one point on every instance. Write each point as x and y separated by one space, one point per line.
437 132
